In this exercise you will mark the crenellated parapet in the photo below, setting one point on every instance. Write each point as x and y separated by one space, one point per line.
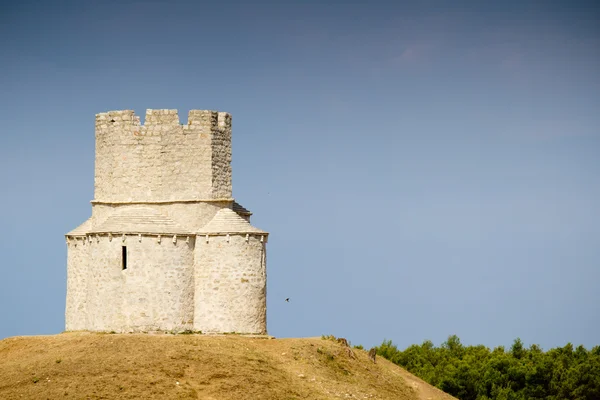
198 120
162 160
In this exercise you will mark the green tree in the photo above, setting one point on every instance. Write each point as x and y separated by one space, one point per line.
478 373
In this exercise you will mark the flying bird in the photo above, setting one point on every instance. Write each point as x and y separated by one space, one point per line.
288 299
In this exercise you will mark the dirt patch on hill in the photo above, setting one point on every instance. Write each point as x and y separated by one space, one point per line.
163 366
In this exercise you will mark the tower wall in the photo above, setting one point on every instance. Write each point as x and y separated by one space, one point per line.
154 292
105 285
162 160
221 157
77 274
230 282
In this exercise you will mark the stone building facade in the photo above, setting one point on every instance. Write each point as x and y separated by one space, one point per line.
166 248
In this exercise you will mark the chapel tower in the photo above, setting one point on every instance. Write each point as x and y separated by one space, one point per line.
166 246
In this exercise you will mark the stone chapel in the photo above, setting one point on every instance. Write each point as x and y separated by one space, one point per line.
166 248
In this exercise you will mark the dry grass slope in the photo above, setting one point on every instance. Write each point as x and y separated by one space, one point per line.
145 366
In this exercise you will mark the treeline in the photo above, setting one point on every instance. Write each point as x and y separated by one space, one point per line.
520 373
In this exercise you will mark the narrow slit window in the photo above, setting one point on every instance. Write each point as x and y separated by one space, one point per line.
124 258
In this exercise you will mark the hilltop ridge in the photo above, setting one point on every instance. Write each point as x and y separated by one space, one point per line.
162 366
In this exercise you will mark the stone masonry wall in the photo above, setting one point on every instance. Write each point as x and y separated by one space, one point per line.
230 281
104 286
155 292
221 157
162 160
77 273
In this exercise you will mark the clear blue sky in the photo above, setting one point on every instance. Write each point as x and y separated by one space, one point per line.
425 168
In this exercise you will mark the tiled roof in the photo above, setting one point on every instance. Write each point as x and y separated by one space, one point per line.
82 229
238 208
228 221
139 220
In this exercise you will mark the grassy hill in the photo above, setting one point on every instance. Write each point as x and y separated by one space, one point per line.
163 366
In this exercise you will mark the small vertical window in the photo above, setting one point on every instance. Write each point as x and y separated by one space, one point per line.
124 258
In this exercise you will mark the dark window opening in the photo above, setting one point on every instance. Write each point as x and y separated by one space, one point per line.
124 258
